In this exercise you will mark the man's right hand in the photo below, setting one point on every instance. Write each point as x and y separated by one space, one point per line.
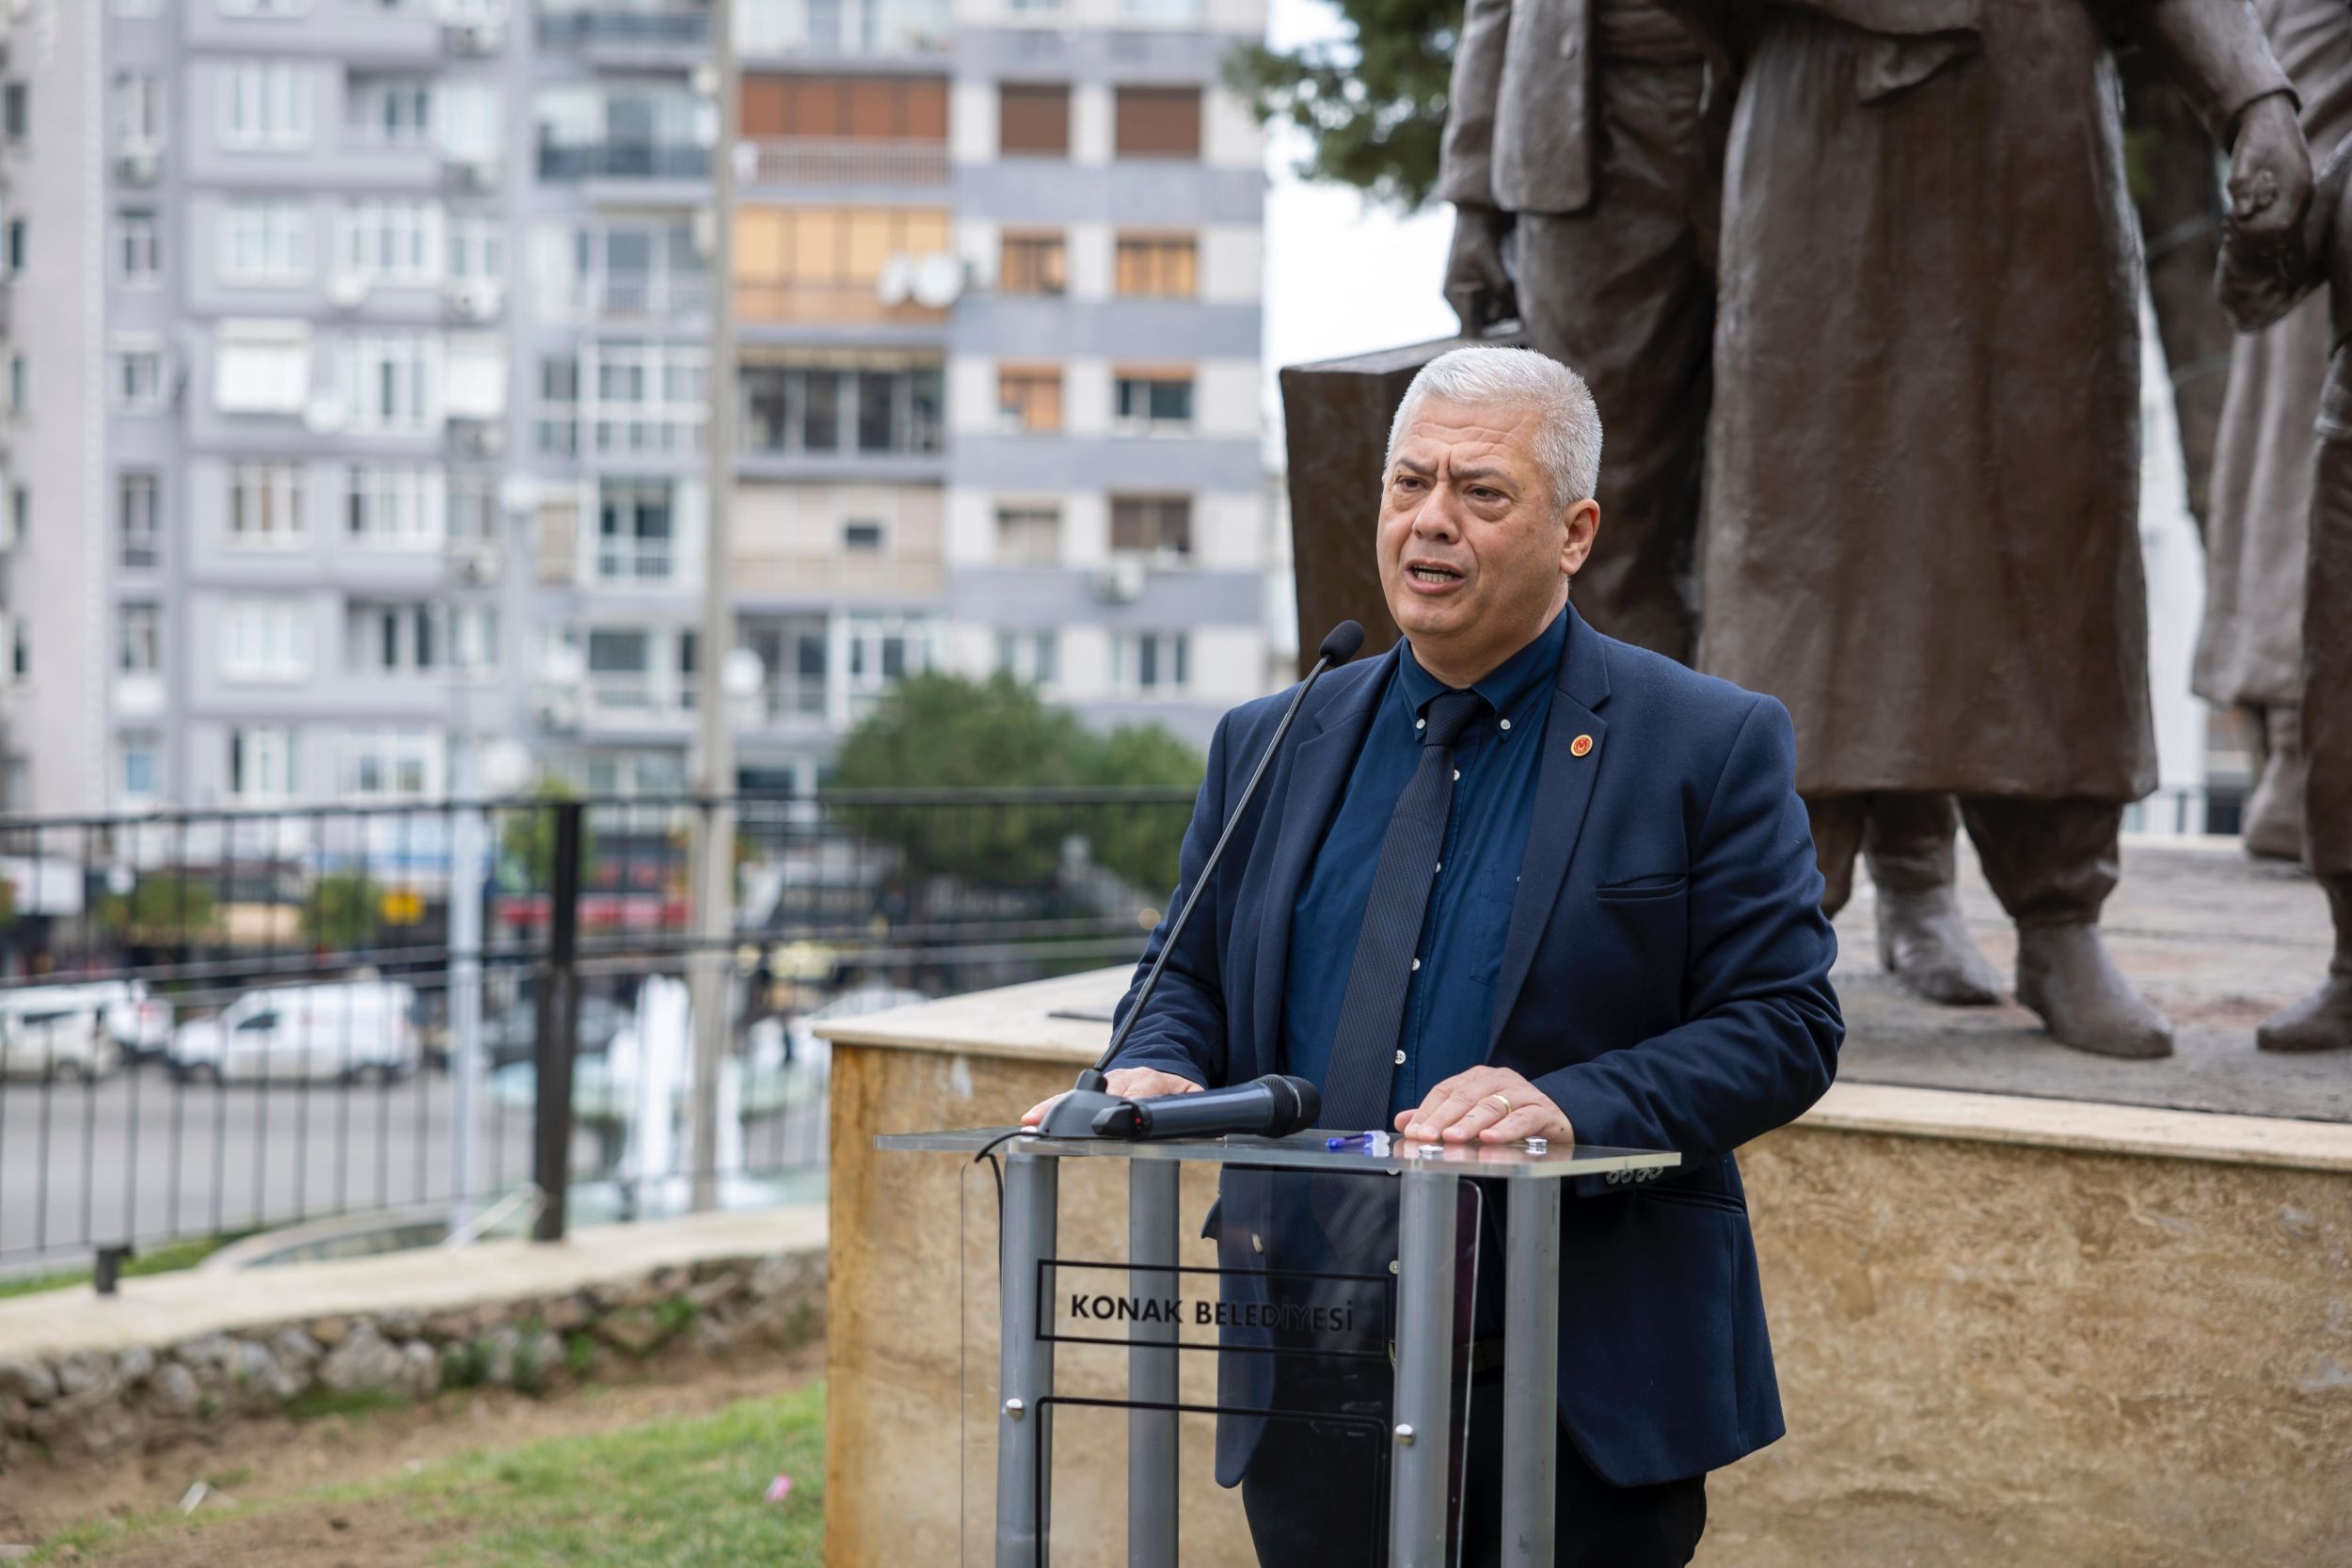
1476 284
1128 1083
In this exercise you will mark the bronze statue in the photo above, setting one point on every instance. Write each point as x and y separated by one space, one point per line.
2249 652
2258 289
1591 133
1920 515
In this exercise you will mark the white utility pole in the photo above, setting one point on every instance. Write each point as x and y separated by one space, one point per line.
712 964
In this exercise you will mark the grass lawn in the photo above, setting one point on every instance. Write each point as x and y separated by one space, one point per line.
686 1492
169 1257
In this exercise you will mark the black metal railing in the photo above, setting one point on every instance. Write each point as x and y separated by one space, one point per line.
218 1022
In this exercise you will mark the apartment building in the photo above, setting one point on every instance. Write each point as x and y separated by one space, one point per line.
368 383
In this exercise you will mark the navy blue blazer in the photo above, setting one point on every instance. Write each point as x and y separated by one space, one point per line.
1665 981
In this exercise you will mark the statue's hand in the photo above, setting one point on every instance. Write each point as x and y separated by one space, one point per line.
1476 284
2270 174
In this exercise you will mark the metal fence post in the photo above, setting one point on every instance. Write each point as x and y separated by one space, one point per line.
558 1040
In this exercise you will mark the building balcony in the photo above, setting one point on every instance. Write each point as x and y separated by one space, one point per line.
812 576
845 161
758 302
684 24
843 27
648 298
625 161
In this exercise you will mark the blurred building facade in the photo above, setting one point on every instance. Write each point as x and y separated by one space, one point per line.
356 382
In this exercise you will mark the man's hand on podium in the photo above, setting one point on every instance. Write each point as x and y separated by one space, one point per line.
1491 1105
1128 1083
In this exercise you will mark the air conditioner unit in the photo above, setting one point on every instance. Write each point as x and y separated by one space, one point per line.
346 291
1120 582
471 38
140 165
477 438
478 568
471 301
556 710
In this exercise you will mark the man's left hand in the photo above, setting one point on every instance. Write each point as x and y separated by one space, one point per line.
1488 1104
2270 173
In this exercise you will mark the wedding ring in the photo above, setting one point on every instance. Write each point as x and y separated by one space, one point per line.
1500 1100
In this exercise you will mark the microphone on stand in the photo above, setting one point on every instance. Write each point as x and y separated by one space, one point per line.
1074 1114
1274 1107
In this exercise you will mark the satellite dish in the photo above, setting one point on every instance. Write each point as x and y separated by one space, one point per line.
897 280
741 674
938 280
519 492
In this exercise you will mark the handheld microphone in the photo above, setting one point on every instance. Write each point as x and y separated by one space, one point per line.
1073 1115
1272 1107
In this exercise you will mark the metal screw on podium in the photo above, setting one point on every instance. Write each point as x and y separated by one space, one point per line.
1539 1146
1015 1409
1403 1435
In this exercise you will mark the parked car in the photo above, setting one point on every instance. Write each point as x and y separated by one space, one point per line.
130 1017
511 1035
356 1030
46 1034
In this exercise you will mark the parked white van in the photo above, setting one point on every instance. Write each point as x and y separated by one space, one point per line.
47 1033
360 1030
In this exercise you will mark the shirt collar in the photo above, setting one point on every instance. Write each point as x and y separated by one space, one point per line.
1507 687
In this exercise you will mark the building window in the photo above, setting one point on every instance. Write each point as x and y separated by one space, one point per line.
265 242
142 650
558 420
472 514
1033 118
1158 266
829 264
390 111
648 399
1153 399
19 514
389 765
1029 656
796 655
136 378
138 524
867 109
264 505
16 110
264 7
1156 525
860 537
262 763
16 246
139 249
886 649
622 130
261 367
391 242
141 773
390 384
265 105
1033 264
1028 536
635 533
264 639
474 252
19 382
393 506
421 638
138 111
1157 122
793 409
1150 663
1029 399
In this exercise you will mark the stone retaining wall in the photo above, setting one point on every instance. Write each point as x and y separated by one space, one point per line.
93 1402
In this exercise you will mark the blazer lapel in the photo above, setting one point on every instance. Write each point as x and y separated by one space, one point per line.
1303 792
1564 790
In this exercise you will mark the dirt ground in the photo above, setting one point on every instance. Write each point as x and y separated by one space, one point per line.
258 1460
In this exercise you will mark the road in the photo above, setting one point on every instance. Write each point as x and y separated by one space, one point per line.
142 1158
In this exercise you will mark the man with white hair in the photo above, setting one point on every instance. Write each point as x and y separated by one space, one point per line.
1511 879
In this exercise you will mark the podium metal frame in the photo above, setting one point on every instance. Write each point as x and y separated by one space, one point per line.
1421 1438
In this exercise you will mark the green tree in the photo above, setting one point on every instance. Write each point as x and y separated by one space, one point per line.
341 913
1374 102
160 909
939 732
527 838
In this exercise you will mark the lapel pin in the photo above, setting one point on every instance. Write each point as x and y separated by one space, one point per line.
1580 746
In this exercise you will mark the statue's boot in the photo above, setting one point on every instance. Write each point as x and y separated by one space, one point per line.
2323 1019
1923 940
2065 975
2274 812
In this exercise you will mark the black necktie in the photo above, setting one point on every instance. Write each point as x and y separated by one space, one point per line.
1371 1015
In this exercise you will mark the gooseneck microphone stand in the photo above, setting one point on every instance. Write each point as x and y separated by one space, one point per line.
1072 1116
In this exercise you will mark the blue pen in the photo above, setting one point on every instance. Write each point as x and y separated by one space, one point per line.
1371 1143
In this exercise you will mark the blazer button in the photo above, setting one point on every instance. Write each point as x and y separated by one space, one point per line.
1257 1242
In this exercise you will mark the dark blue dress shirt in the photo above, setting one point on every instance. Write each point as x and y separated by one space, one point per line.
1449 1009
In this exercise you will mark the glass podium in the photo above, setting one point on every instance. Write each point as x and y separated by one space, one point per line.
1355 1337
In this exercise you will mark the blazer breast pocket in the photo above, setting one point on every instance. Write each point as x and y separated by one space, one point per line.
1645 889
